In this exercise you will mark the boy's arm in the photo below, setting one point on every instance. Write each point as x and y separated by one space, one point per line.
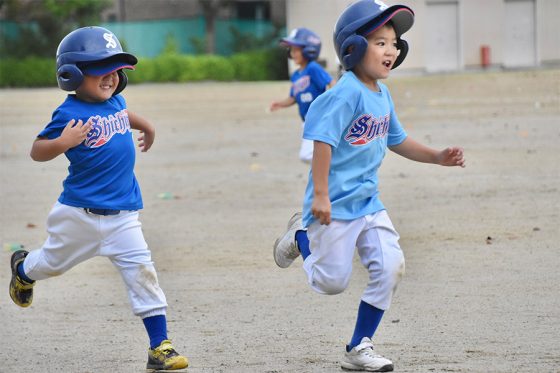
275 105
147 131
44 149
409 148
321 163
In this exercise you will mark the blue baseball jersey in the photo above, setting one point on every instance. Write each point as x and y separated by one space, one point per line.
307 85
359 124
101 171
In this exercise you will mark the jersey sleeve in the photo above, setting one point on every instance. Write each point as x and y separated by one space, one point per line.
396 134
327 119
54 128
320 77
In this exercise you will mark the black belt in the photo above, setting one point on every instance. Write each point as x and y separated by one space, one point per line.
103 212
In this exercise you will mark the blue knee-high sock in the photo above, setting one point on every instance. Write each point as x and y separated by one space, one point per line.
368 320
303 243
156 326
22 275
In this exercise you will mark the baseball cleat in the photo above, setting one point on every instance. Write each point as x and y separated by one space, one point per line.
164 357
21 291
285 247
363 358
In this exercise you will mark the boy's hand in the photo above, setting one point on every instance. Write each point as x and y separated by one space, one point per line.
321 209
146 139
275 105
75 133
452 156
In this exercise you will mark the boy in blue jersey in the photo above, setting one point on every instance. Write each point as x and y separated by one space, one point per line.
352 125
308 81
97 211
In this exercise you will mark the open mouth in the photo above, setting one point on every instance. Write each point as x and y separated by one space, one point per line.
387 63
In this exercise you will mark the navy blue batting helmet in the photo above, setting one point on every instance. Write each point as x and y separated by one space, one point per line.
307 40
93 50
362 18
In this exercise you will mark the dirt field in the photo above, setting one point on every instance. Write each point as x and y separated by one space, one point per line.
481 293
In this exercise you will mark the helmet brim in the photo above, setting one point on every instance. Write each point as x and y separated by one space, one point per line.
400 16
104 68
291 42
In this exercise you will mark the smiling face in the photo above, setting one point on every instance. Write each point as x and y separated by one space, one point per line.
98 88
380 56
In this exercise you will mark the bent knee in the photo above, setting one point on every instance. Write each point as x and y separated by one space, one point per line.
331 286
397 271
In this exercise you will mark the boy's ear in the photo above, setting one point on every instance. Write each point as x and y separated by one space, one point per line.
402 47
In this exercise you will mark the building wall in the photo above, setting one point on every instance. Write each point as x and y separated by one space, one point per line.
548 32
149 10
319 16
478 23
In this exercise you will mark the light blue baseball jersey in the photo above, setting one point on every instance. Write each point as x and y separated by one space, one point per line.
101 171
307 85
359 124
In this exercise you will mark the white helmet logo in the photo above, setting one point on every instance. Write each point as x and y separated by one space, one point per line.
382 5
111 43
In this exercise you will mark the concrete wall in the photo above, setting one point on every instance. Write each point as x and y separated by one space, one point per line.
479 23
548 31
319 16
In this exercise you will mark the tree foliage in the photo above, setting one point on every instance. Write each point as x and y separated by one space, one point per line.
43 23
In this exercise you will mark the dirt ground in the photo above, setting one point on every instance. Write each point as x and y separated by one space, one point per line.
481 292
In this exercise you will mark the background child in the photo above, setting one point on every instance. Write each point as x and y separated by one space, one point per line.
308 81
97 212
351 126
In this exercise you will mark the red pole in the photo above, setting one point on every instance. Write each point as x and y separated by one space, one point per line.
485 56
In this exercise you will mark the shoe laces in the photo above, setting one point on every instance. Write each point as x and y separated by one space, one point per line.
294 251
165 348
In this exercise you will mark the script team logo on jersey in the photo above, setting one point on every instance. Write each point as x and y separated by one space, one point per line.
104 128
367 128
301 84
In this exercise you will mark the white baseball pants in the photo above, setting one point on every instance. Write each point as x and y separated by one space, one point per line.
75 236
332 249
306 149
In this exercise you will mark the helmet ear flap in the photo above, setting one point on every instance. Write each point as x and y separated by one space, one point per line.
123 80
352 50
402 46
69 77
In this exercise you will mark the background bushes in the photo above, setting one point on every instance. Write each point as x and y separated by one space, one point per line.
268 64
27 72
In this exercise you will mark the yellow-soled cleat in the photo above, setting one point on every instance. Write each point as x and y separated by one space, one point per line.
21 291
164 357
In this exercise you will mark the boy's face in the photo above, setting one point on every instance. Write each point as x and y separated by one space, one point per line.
380 55
98 88
297 55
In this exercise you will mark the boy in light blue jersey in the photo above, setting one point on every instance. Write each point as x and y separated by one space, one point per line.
352 125
97 212
308 82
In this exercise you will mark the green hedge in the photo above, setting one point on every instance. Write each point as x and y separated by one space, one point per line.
250 66
27 72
